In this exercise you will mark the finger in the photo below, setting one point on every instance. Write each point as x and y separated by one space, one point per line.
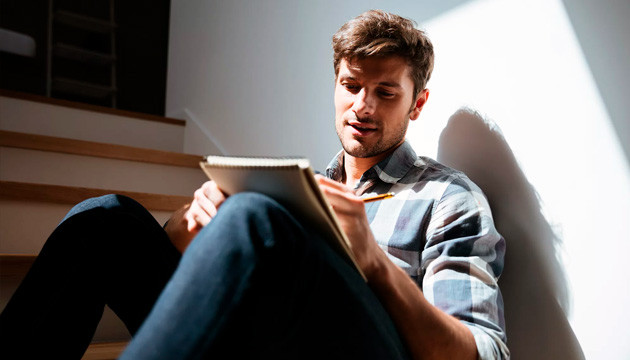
191 224
342 201
204 203
198 215
333 188
324 181
212 192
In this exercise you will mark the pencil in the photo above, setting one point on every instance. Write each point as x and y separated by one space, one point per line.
378 197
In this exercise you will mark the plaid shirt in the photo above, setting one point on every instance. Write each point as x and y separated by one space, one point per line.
439 229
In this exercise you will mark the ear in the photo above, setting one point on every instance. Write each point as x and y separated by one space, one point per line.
421 99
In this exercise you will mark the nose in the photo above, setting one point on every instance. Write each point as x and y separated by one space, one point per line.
363 103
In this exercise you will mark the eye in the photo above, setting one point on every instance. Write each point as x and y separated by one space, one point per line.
352 88
385 94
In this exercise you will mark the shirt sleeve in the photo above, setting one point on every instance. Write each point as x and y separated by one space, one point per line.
461 263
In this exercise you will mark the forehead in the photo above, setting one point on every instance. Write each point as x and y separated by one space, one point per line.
378 69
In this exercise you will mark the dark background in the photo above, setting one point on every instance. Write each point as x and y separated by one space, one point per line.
141 50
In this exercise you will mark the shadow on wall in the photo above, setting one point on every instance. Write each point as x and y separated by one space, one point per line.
533 282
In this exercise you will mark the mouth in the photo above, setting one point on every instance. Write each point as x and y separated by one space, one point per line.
362 129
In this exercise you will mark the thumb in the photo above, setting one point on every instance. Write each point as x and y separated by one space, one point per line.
191 223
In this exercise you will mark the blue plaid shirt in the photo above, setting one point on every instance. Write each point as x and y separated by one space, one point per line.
439 229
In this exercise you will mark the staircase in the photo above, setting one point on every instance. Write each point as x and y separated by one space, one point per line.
55 153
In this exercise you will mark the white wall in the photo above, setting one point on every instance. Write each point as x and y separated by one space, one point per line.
257 76
603 29
522 66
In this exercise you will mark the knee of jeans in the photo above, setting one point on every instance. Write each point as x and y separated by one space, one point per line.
255 210
251 204
113 202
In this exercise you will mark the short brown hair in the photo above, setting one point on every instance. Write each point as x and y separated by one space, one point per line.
378 33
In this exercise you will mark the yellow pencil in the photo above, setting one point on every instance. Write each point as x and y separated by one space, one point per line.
378 197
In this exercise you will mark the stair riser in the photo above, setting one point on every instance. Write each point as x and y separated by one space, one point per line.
53 120
25 226
43 167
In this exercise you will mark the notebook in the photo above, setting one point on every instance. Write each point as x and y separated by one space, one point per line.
289 181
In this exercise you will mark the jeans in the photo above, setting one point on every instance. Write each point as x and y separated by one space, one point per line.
107 250
254 283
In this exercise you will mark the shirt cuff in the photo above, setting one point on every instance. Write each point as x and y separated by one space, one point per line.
489 346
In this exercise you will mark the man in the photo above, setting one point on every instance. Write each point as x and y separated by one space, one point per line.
254 281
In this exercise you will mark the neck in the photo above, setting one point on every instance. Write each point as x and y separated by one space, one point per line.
354 167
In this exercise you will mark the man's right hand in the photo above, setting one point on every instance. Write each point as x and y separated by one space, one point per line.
186 222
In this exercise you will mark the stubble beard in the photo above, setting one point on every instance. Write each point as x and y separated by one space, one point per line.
358 149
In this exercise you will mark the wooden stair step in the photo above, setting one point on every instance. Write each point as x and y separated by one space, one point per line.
13 269
15 266
82 88
75 53
84 22
97 149
90 107
104 351
36 114
10 190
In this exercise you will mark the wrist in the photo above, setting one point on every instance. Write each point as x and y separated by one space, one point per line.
376 269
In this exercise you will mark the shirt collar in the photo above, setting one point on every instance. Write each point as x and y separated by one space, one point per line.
334 170
389 170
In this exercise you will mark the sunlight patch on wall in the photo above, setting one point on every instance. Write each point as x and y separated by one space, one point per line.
519 63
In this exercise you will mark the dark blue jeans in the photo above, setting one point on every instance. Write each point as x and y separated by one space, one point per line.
253 284
107 250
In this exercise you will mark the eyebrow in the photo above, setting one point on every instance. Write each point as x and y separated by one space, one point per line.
391 84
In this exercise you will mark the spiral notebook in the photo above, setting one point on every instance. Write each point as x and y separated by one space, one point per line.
289 181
